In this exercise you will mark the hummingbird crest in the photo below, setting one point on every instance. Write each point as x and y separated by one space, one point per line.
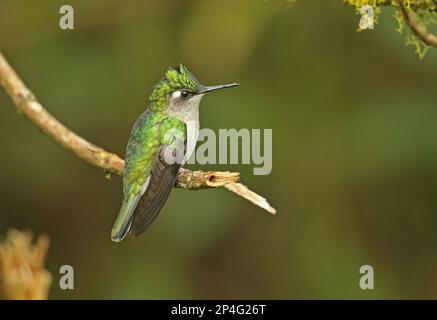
176 79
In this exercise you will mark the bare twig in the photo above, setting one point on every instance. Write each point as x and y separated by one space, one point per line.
248 194
26 102
419 29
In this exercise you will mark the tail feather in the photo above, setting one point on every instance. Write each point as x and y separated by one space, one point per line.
123 223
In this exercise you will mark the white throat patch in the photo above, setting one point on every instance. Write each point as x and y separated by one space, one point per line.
188 112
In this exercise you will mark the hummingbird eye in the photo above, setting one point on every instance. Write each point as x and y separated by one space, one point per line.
185 94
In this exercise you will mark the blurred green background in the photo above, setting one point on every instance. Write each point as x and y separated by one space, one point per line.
354 119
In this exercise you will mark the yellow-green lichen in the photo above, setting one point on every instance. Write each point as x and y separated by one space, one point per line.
425 12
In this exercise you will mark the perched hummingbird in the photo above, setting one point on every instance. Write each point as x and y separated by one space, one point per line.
153 156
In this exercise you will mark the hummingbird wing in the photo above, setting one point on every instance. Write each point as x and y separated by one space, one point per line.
148 177
141 152
163 177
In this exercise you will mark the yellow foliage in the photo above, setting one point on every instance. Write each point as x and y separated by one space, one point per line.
22 272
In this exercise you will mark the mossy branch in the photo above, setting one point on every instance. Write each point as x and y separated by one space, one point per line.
419 29
408 12
415 5
26 102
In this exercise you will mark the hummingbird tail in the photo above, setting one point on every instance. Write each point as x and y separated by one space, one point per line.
124 220
118 236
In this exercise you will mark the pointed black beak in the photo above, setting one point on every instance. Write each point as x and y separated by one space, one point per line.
213 88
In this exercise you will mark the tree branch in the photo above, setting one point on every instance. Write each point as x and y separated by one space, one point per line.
414 5
26 102
418 28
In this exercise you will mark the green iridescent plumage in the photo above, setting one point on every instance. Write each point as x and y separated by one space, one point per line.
147 136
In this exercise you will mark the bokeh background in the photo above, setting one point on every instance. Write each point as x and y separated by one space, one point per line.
354 119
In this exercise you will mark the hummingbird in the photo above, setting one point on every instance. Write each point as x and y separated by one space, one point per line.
162 139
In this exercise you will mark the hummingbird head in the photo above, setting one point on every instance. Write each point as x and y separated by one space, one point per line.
180 90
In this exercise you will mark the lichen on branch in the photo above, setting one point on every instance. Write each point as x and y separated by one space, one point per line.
418 15
430 5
